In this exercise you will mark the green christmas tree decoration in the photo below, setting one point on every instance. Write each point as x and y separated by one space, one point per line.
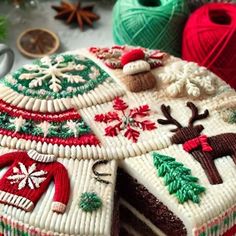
3 28
178 178
90 202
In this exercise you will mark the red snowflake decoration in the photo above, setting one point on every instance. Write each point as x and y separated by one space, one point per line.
112 56
125 119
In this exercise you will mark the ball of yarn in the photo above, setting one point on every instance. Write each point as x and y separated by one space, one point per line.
155 24
210 39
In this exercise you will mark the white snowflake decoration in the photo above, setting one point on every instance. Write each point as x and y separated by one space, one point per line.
188 77
53 69
23 177
44 127
72 126
17 123
10 79
94 73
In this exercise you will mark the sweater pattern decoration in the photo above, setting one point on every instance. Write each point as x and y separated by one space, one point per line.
28 177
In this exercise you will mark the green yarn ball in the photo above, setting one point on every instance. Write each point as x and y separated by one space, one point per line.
90 202
155 24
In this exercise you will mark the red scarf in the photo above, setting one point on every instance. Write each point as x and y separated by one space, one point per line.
201 140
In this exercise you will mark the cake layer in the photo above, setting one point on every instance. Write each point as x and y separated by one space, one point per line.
216 209
130 217
148 205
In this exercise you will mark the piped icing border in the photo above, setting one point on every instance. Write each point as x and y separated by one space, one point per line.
219 225
41 157
86 139
103 93
15 111
83 151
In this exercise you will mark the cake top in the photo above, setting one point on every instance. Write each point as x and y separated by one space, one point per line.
99 102
170 122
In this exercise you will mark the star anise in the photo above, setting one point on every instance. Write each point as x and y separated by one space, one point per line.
76 13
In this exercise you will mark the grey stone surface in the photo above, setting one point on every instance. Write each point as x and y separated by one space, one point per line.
70 36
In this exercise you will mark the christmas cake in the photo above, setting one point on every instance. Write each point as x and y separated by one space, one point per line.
117 141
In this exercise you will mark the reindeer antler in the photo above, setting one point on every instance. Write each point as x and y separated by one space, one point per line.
170 120
195 115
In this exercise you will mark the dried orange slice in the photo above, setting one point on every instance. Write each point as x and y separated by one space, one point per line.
38 42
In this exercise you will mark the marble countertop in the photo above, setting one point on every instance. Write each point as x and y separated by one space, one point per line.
70 35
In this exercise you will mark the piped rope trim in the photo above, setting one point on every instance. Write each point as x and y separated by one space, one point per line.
219 225
104 92
86 139
178 178
15 200
15 111
42 105
9 227
86 151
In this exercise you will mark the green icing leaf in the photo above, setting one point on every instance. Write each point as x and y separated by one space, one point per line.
90 202
178 178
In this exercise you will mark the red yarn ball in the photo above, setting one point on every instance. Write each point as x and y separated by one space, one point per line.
133 55
210 39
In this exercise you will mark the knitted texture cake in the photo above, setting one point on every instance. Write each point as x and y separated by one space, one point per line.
117 141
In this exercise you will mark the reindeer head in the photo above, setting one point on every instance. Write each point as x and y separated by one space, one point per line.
183 134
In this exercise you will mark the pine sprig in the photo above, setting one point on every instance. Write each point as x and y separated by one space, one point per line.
178 178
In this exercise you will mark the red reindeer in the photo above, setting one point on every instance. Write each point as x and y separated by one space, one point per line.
204 149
